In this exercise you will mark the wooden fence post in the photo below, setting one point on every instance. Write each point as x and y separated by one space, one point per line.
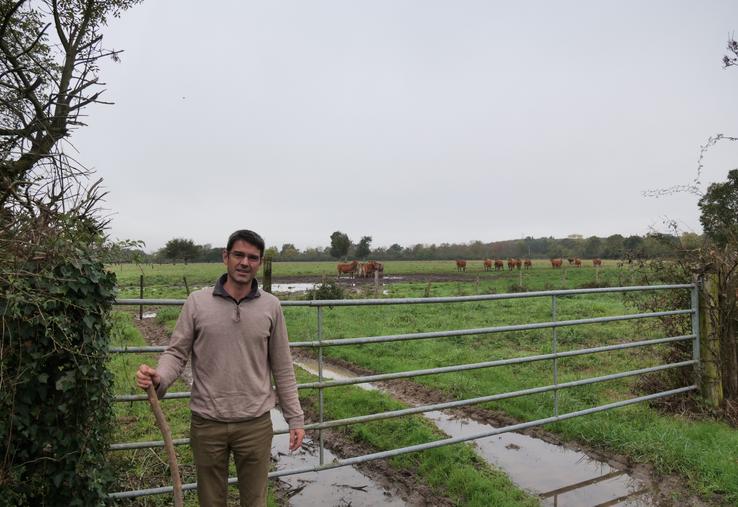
267 274
140 307
711 382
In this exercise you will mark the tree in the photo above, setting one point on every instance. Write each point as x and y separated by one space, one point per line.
288 251
45 84
180 248
719 210
394 251
55 293
592 247
340 244
613 248
363 248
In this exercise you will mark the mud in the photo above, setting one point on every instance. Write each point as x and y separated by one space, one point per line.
344 486
588 473
393 485
388 279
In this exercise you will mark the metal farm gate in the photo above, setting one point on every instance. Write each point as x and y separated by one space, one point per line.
319 343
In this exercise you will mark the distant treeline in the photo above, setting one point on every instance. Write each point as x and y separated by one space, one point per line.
611 247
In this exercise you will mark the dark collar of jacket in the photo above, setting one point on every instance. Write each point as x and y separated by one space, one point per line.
219 290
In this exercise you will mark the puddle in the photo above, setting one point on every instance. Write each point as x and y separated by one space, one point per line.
293 287
333 372
343 486
561 477
149 315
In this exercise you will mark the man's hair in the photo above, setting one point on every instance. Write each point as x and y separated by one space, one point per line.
247 236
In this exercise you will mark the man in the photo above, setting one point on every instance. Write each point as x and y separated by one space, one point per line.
237 338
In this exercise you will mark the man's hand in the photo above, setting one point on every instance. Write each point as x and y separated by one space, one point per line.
296 436
146 375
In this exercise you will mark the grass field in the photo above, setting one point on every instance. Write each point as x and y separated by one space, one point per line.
167 280
702 452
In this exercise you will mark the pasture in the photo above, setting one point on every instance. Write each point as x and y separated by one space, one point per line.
167 280
701 453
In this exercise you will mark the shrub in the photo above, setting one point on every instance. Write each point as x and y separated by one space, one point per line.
326 290
56 391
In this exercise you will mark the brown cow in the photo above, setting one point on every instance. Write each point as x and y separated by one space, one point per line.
348 268
366 269
380 267
518 263
460 265
487 264
511 264
578 262
499 265
527 263
570 260
597 262
556 263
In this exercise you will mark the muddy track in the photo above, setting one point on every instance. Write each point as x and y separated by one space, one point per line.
408 486
666 487
403 483
412 277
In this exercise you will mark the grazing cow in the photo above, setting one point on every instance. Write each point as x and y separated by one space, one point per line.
597 262
570 260
578 262
499 265
510 264
348 268
488 264
527 263
460 265
556 263
518 263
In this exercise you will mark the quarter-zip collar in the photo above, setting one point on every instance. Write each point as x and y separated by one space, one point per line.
220 291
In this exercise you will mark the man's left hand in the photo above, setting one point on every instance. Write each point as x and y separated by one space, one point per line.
296 436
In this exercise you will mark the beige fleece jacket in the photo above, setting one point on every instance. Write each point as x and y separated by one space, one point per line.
235 349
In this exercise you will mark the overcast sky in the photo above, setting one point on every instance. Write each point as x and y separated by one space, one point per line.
410 121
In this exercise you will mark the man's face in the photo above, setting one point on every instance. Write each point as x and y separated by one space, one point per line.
243 261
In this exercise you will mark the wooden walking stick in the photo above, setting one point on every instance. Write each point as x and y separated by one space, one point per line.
168 445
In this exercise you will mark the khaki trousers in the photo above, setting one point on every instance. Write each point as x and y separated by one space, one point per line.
212 443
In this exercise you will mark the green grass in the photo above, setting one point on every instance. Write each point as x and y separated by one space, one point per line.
167 280
454 471
702 452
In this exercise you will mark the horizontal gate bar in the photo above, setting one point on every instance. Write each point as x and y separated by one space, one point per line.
446 369
486 364
412 301
487 330
423 447
437 406
450 333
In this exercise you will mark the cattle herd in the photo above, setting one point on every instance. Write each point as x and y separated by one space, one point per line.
513 263
368 269
360 269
